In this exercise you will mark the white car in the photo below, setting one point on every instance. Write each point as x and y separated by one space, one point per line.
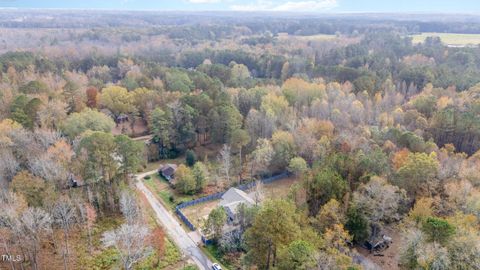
215 266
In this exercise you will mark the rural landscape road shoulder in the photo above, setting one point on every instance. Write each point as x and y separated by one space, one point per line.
173 228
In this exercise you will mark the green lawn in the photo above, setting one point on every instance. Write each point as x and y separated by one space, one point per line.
450 38
159 187
162 190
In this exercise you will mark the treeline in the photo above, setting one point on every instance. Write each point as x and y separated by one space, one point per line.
202 26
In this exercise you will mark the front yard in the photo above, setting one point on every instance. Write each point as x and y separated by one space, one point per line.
162 190
197 213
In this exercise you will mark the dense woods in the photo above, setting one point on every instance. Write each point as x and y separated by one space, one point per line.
379 134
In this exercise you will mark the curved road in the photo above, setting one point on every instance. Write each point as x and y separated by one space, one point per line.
173 228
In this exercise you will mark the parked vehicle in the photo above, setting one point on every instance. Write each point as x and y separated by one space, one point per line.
215 266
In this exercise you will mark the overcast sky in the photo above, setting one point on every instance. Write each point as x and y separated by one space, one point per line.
424 6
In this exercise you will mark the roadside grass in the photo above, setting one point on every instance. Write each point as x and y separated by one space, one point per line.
166 194
215 255
160 190
171 256
449 38
100 258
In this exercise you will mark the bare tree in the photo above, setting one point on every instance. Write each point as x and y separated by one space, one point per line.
225 159
10 207
8 167
52 114
380 202
87 216
129 207
34 224
130 241
47 168
258 192
65 216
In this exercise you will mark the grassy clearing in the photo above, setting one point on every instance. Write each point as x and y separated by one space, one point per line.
450 38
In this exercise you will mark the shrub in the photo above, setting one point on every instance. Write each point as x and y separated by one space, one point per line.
190 158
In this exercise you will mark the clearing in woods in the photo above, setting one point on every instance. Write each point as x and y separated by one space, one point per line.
451 39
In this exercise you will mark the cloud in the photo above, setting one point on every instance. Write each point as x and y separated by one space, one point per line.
307 5
260 5
288 6
203 1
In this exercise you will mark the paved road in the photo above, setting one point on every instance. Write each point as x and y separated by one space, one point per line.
173 228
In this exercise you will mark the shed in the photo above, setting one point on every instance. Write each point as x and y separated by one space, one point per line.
168 171
122 118
74 181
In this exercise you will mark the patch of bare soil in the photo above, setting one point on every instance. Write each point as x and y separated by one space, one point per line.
138 128
391 255
197 213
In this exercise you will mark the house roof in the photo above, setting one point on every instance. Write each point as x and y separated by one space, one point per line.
168 169
233 198
122 116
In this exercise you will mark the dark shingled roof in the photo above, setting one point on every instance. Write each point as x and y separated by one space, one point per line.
168 170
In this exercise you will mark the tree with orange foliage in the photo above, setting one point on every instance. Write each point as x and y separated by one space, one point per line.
157 241
400 157
92 97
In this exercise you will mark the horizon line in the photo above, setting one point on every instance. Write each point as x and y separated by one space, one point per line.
244 11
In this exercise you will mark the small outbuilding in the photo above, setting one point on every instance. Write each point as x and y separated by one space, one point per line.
168 171
122 118
74 181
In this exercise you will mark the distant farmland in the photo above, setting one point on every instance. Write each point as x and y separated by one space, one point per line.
451 39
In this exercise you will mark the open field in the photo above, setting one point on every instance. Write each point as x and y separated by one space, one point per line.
451 39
